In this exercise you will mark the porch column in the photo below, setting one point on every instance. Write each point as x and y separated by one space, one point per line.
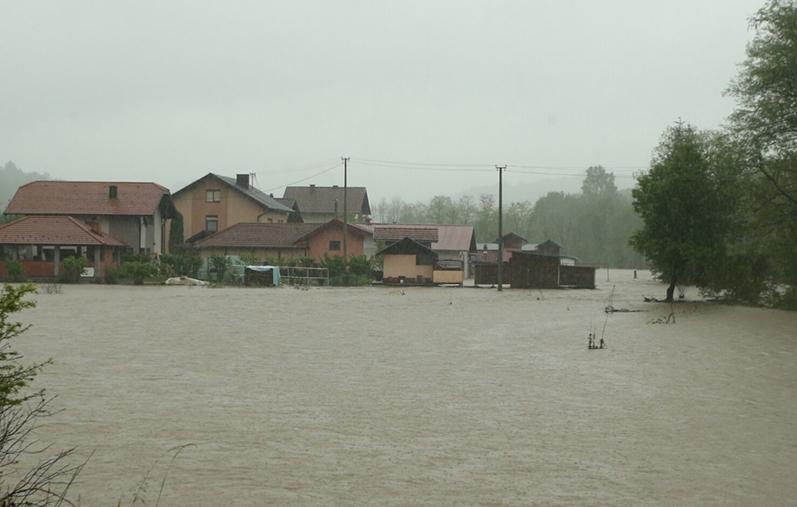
56 260
97 262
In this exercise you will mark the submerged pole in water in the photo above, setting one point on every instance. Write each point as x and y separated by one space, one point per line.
500 276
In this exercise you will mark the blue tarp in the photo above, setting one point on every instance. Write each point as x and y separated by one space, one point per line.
264 269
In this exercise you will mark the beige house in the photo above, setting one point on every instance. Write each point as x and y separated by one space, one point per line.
214 203
408 262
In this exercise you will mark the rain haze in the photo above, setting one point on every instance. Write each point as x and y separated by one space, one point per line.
168 91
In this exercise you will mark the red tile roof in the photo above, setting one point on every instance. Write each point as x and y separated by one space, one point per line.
455 238
86 198
399 232
52 230
314 199
257 235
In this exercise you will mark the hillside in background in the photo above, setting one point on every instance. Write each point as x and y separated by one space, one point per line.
11 177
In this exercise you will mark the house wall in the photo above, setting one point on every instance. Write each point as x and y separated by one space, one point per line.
126 229
396 266
234 208
318 243
447 276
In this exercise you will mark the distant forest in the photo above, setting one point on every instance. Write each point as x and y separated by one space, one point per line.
11 177
594 225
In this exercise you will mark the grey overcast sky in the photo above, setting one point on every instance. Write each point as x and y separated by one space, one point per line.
167 91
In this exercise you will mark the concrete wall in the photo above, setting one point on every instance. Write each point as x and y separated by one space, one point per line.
234 208
396 266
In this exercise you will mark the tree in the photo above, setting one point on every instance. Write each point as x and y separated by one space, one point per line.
176 239
598 182
684 218
48 481
766 92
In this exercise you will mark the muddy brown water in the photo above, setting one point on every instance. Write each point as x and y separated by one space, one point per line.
433 396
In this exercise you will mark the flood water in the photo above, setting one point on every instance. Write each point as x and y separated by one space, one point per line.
430 396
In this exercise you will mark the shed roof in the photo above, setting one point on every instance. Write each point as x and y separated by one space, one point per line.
353 228
461 238
86 198
314 199
398 232
407 246
53 230
258 235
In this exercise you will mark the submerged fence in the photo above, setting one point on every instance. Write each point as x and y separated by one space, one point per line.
300 275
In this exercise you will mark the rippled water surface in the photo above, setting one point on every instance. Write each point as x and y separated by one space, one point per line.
434 396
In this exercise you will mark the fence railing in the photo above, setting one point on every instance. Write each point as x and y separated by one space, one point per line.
300 275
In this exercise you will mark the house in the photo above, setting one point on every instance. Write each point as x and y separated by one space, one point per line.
285 240
452 242
40 243
327 239
215 202
263 241
136 214
321 204
409 262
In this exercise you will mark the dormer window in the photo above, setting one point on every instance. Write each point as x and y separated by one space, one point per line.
213 196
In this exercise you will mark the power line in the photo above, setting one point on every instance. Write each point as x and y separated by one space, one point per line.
305 179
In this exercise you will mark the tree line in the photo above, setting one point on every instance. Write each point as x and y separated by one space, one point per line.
594 225
719 208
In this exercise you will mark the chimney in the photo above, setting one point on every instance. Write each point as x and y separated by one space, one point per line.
242 180
334 186
312 187
113 192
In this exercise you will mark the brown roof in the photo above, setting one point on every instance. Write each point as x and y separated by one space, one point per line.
52 230
399 232
86 198
361 230
257 235
315 199
459 238
257 195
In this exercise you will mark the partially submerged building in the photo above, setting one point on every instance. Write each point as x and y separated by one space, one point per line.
452 243
409 262
41 243
215 202
135 214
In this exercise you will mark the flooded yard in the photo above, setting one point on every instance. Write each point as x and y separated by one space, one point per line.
421 396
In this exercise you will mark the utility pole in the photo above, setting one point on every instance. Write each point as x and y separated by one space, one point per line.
345 210
500 280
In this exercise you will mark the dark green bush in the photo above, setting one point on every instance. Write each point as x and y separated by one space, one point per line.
14 271
72 268
137 271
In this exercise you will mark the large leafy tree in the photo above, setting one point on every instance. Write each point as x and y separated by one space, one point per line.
766 90
685 219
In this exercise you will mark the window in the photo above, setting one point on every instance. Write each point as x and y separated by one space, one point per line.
334 246
211 223
213 196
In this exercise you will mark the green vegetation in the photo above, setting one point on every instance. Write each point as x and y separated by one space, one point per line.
219 265
720 208
21 411
14 270
593 226
138 271
72 268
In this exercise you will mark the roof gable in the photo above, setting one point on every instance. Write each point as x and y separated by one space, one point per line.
86 198
314 199
397 232
407 246
258 235
255 194
456 238
53 230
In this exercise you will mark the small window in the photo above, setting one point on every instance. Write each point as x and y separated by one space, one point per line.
211 223
213 196
334 246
